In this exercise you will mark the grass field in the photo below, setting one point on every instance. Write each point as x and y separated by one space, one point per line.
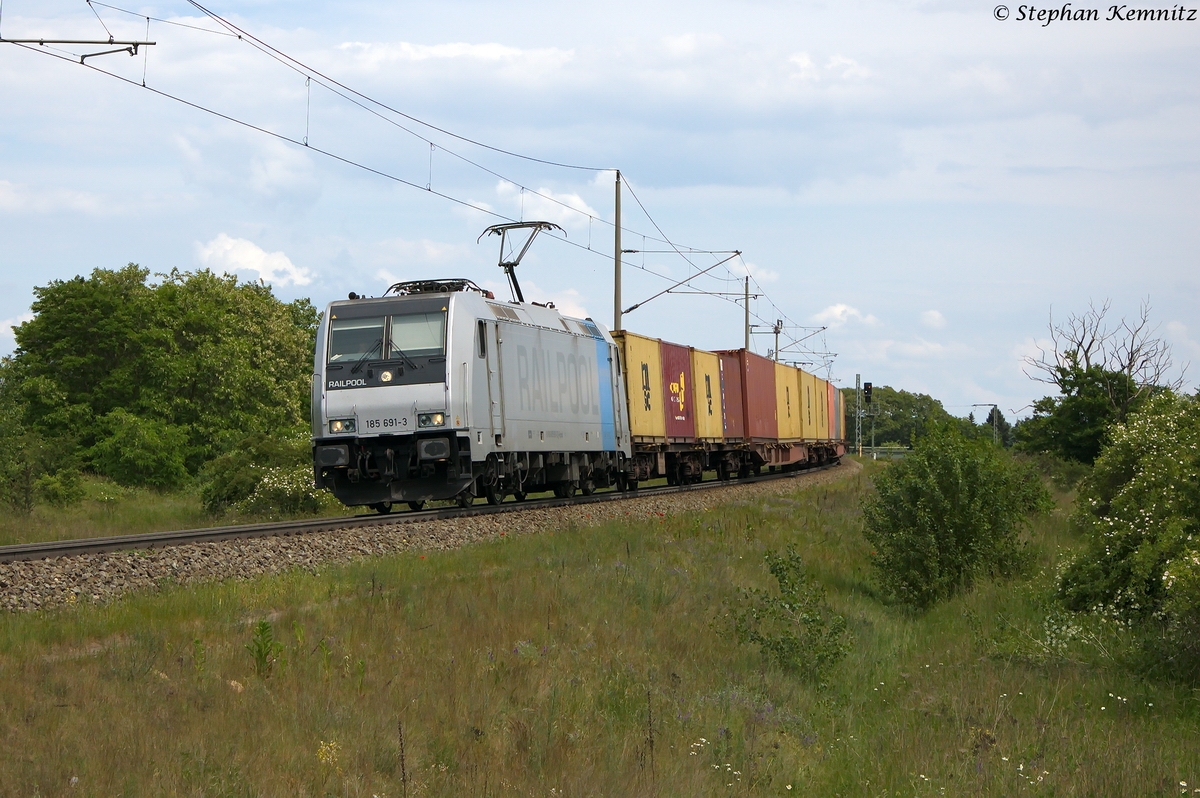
589 662
111 509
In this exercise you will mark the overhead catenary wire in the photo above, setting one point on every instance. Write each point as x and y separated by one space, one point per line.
101 21
363 101
166 21
253 39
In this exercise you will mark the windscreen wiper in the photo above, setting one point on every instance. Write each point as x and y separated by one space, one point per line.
366 355
407 359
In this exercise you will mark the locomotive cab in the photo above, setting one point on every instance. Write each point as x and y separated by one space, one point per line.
383 427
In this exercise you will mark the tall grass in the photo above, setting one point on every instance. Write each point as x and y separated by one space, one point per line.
589 662
111 509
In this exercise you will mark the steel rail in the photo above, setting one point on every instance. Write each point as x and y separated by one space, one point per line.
152 540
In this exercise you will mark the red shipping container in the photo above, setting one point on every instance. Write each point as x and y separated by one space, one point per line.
731 395
758 395
758 390
677 391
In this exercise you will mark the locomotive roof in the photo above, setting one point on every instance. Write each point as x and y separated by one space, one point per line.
532 314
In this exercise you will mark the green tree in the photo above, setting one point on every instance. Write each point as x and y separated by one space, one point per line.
34 467
950 511
1102 373
1140 508
191 364
899 416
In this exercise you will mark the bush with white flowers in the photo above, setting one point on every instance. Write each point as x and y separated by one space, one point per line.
1140 509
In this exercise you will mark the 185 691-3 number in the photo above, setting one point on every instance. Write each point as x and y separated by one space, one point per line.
386 423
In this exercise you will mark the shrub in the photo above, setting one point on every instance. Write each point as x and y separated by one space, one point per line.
264 475
795 629
1141 510
285 490
1065 474
950 511
139 451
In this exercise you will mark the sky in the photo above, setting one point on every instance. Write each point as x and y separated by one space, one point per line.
925 181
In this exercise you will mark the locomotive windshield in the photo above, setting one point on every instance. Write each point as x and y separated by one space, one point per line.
350 339
418 335
388 337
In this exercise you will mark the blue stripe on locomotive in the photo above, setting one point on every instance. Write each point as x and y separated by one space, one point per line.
608 425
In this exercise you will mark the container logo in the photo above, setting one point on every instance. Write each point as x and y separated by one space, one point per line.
646 384
708 391
677 389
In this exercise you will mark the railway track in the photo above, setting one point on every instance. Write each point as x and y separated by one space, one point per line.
154 540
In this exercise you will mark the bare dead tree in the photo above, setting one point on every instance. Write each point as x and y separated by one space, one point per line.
1130 359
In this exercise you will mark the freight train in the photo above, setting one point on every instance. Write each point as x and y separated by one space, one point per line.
437 390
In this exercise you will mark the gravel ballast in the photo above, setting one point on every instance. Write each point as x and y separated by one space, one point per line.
99 578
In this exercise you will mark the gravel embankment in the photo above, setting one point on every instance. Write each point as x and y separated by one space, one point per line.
43 584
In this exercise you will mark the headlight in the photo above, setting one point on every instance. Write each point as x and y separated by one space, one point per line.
431 420
385 376
341 425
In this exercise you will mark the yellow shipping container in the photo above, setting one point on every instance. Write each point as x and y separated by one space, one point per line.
787 402
643 385
808 418
706 383
821 401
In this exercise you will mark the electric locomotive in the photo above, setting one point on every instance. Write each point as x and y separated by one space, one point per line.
437 390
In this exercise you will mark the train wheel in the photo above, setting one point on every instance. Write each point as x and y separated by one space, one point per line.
631 484
519 495
417 505
383 508
587 487
494 494
464 499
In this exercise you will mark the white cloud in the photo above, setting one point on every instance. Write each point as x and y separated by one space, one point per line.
933 319
744 268
848 68
568 210
414 260
273 171
16 198
7 340
375 57
688 43
1180 337
569 302
236 255
921 349
805 69
839 314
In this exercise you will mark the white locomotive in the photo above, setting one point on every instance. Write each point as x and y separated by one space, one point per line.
437 390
